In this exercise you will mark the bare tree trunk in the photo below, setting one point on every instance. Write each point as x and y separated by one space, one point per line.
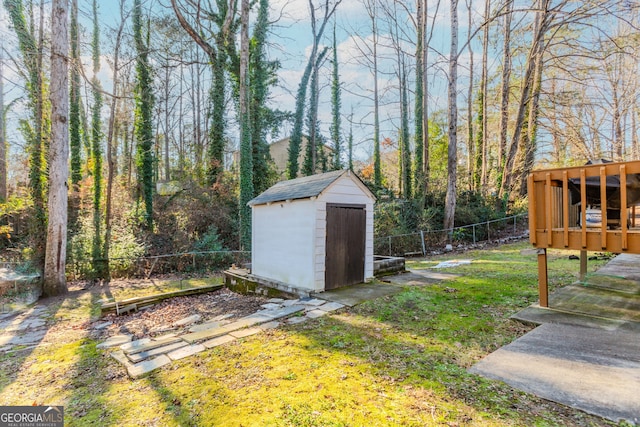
504 91
425 97
452 160
112 133
525 97
634 131
481 153
470 141
55 282
166 122
530 145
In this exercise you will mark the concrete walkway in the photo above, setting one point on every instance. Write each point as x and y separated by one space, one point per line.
586 353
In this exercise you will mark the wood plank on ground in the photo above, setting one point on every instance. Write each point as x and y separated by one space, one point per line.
152 299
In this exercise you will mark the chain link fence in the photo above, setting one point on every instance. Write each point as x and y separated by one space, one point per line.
422 243
186 262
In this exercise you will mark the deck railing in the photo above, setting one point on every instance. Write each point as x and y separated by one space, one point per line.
558 211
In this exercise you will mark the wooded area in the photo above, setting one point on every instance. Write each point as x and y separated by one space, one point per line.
161 117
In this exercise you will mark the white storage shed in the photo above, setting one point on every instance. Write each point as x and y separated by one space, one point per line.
314 233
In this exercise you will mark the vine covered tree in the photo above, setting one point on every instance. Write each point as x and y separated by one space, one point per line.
335 108
144 100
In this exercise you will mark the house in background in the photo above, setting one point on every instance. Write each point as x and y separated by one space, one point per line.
279 151
314 233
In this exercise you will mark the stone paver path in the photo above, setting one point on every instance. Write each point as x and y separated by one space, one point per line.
147 354
25 329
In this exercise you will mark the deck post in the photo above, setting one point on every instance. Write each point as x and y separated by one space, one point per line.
583 265
543 283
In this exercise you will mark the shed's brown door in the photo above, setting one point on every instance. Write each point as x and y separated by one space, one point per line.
346 233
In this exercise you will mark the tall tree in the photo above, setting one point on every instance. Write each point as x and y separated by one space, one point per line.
56 250
544 19
335 109
143 126
314 146
470 140
112 132
405 147
96 149
480 166
75 137
505 88
36 134
452 155
418 174
216 22
317 30
246 152
3 141
262 75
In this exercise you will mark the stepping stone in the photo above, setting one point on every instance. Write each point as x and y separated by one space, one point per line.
331 306
296 320
291 302
218 341
187 320
222 330
159 342
135 344
313 302
138 357
120 357
102 325
161 328
34 324
269 325
275 300
143 368
314 314
5 339
183 352
247 332
205 326
283 312
221 317
271 306
115 341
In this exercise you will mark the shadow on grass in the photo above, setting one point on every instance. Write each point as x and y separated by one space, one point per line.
426 338
12 361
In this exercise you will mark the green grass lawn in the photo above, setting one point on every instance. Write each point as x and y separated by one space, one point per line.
394 361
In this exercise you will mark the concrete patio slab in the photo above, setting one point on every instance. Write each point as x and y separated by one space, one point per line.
592 369
357 294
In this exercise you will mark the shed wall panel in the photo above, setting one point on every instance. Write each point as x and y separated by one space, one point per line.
284 243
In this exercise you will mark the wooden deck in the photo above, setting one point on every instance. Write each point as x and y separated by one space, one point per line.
558 201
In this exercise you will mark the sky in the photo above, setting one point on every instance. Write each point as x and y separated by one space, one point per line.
290 43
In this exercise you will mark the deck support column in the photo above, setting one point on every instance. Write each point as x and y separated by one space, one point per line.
583 265
543 282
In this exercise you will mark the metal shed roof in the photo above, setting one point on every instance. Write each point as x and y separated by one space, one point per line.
299 188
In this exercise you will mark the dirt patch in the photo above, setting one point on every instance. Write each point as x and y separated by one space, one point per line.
159 318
